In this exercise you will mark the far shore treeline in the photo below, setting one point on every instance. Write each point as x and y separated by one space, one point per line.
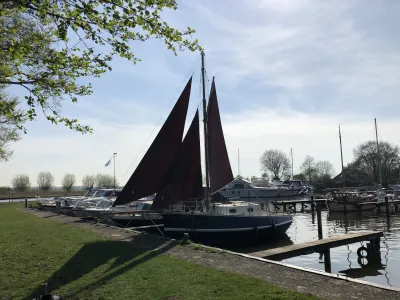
21 184
367 169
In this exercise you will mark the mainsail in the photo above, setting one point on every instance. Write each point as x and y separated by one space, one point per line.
184 179
219 165
148 178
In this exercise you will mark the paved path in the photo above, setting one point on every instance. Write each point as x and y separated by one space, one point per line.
328 287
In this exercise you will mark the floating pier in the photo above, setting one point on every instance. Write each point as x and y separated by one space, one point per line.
292 203
320 246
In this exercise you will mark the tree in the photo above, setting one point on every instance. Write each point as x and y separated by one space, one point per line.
8 126
299 176
355 175
276 162
21 182
47 47
68 181
367 160
308 168
105 181
88 181
324 170
45 180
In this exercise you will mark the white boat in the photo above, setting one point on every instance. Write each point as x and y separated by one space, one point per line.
100 201
350 202
242 188
137 215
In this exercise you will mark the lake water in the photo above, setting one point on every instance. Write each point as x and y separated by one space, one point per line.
344 260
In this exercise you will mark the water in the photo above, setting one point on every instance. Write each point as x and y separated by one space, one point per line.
344 260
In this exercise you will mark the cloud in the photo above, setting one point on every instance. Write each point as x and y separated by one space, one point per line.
323 50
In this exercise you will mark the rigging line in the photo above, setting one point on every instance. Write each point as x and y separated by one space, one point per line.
191 71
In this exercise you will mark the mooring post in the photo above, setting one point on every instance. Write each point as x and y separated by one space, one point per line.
26 202
327 261
319 221
312 204
387 204
58 206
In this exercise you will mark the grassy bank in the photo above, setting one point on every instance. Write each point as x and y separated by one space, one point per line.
29 194
83 265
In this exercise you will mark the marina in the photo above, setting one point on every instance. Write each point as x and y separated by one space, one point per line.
332 286
250 167
352 244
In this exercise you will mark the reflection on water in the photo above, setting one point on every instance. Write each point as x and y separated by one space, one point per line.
383 269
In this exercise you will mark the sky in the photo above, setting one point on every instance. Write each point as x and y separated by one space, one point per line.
287 73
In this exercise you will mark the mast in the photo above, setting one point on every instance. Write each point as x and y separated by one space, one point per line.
377 153
238 163
114 155
207 194
341 157
291 156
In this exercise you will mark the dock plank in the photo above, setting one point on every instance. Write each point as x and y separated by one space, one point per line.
289 202
317 245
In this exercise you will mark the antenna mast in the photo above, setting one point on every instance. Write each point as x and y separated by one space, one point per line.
377 153
238 163
341 157
291 157
205 120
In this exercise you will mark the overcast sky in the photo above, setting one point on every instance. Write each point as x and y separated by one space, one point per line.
287 74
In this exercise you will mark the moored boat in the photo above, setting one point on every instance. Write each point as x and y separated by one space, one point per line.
176 176
350 201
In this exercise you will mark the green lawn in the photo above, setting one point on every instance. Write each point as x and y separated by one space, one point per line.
83 265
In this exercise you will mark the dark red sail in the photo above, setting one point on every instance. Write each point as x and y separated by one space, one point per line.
184 180
219 166
149 175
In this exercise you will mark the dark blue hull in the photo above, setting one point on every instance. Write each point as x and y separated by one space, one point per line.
222 230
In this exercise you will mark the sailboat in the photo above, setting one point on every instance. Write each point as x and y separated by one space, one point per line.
172 168
346 201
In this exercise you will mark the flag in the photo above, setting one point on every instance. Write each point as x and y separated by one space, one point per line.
108 163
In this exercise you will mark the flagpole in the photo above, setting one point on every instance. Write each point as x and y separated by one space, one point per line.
114 155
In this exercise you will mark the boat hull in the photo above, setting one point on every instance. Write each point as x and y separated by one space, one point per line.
350 207
261 193
67 210
137 220
225 230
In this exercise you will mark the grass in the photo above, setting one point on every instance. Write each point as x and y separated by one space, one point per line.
82 265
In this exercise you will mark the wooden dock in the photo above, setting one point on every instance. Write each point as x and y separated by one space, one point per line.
294 202
319 246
